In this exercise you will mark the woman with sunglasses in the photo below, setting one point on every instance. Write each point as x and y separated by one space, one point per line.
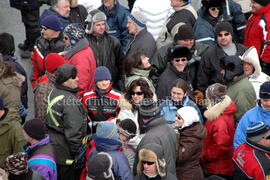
130 102
209 16
190 142
177 68
137 66
178 98
218 144
152 164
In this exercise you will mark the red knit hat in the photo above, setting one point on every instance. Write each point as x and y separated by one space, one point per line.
53 61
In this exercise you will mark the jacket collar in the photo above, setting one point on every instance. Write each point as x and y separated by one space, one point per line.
61 87
42 142
156 121
76 48
262 10
258 146
140 72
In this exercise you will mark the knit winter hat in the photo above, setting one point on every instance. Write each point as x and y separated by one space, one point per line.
64 72
100 167
262 2
108 130
148 108
102 73
53 61
93 17
265 90
224 26
75 32
17 163
184 32
152 152
257 131
1 103
138 19
52 22
212 3
179 51
189 115
35 128
216 92
128 128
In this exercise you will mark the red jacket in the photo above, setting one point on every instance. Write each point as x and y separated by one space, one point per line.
246 162
257 32
85 62
218 145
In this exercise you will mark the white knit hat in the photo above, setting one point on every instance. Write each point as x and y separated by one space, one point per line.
189 115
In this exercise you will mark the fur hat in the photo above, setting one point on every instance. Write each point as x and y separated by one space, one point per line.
35 128
93 17
184 32
107 130
138 19
215 93
1 104
75 32
262 2
189 115
251 56
224 26
64 72
179 51
257 131
52 22
53 61
148 108
127 127
265 90
102 73
100 167
152 153
17 163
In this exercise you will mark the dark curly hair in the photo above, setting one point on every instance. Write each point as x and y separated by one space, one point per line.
144 87
7 46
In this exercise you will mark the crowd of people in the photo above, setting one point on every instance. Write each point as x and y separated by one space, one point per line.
125 90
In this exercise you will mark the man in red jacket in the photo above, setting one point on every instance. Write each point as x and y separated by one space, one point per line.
257 31
252 159
80 55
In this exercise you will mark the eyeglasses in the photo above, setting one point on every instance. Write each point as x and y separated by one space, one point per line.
214 8
139 93
43 28
267 136
148 163
180 59
225 34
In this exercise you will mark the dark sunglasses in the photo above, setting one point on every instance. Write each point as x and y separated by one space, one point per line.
267 136
139 93
180 59
214 8
148 163
225 34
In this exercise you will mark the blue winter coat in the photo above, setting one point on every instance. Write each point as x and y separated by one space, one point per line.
25 5
120 166
168 110
50 11
250 118
117 19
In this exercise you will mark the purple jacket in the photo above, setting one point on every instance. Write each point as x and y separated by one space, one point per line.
41 159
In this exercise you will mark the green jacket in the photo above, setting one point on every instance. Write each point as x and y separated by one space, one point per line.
11 135
66 122
243 95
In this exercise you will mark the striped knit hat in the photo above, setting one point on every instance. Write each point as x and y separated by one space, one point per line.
257 131
138 19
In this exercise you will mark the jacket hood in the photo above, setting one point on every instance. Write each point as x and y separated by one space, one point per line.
226 106
106 145
251 57
189 115
195 130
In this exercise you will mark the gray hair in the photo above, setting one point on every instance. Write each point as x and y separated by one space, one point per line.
55 3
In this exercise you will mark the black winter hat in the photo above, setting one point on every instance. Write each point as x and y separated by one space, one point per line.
148 108
262 2
64 72
127 127
212 3
99 167
224 26
184 32
102 73
179 51
265 90
35 128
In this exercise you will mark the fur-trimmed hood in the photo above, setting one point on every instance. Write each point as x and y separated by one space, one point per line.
225 106
251 57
